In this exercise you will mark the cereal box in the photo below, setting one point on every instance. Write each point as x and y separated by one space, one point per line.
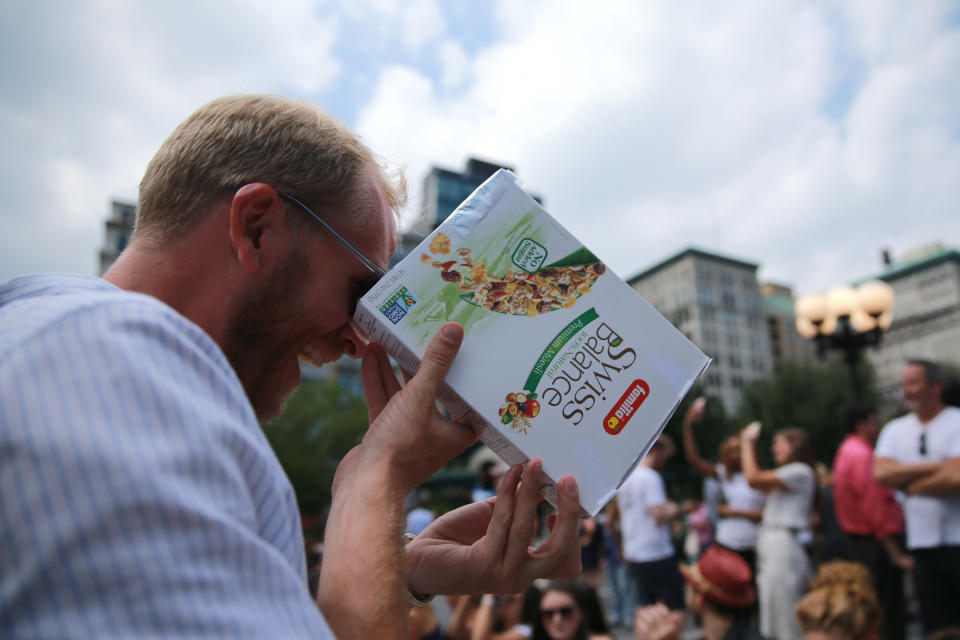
561 359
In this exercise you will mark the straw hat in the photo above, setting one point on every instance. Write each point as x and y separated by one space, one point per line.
723 577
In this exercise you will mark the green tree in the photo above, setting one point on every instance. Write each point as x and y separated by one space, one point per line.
319 425
812 397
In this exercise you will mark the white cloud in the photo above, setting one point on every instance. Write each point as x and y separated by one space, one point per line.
804 136
454 64
414 24
653 126
99 85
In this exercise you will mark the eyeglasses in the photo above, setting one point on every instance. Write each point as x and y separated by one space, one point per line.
923 443
565 613
367 262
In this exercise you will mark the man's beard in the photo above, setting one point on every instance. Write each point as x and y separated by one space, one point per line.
255 339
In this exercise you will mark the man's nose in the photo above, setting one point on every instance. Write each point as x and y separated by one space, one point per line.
355 340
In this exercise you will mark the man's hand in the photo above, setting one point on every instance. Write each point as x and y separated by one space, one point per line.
407 432
484 547
656 622
363 579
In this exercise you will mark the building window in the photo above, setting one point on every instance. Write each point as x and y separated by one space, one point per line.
729 301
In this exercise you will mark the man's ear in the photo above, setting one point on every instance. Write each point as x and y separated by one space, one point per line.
255 211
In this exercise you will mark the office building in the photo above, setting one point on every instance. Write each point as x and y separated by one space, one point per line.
119 226
926 314
715 301
786 345
444 190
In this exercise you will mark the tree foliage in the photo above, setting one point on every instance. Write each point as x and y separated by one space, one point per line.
320 424
814 398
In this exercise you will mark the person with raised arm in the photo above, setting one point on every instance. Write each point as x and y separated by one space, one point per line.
741 508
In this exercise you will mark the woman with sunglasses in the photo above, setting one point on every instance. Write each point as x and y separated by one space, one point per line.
570 610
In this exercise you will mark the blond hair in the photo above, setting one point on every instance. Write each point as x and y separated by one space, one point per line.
236 140
841 600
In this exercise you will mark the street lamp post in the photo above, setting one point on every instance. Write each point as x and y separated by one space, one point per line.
847 320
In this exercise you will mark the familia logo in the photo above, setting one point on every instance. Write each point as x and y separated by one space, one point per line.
626 407
398 305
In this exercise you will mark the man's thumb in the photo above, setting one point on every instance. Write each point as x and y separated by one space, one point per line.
439 355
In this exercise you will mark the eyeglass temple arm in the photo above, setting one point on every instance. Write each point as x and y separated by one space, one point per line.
370 264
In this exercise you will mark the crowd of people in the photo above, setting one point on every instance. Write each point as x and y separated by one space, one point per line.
140 498
889 508
794 551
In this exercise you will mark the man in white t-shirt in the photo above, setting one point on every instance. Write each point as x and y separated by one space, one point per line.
920 454
645 515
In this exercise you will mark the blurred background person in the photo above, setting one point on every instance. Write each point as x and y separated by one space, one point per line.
418 516
870 517
507 617
841 604
645 517
591 551
741 506
720 596
570 610
920 453
783 566
485 484
615 569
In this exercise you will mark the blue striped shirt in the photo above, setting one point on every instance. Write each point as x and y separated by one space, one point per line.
138 495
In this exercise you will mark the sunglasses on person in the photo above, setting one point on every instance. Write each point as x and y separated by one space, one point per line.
565 613
923 443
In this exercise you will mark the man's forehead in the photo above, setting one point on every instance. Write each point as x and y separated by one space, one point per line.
914 371
383 239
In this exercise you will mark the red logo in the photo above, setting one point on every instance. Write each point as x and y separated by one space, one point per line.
626 406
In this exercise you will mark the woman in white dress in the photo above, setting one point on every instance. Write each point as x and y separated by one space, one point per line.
783 567
742 506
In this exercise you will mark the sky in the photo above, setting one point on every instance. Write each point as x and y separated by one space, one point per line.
801 136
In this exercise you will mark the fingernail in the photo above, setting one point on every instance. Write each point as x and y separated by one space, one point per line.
452 332
570 487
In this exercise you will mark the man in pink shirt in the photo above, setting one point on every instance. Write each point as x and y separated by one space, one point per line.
870 516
